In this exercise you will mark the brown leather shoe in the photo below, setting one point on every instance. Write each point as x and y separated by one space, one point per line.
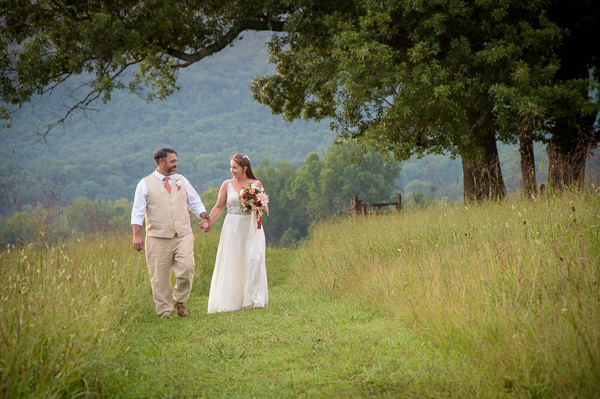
181 310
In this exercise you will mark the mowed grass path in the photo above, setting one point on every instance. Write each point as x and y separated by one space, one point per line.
300 346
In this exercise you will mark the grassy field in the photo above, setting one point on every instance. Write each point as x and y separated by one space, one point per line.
494 300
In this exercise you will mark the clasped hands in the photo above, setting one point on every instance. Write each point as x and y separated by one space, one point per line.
205 225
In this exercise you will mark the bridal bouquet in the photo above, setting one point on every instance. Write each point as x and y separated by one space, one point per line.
254 199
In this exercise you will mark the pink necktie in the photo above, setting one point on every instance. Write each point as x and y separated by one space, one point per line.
167 185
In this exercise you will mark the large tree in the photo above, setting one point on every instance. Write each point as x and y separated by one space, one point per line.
417 77
407 76
560 111
574 102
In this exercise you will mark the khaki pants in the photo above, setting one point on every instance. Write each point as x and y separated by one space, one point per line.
165 256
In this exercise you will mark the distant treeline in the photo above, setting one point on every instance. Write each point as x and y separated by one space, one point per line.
299 197
322 187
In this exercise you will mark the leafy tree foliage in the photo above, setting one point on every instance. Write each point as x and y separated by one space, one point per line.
560 111
85 216
46 42
287 219
323 188
21 228
411 77
418 77
419 193
573 102
44 222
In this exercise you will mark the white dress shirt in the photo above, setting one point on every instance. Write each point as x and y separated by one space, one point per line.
140 200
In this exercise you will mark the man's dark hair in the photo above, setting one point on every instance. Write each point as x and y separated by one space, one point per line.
163 153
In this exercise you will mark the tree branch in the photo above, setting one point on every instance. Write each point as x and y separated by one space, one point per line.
84 103
228 38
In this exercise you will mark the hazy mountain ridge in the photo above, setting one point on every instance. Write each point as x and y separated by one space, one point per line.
211 117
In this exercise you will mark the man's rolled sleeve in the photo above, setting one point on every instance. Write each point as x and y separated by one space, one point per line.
138 211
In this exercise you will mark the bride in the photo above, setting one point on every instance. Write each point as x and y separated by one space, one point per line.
240 277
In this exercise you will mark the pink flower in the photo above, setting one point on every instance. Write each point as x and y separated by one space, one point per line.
263 198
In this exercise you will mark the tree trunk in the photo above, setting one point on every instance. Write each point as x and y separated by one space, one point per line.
527 164
481 170
568 151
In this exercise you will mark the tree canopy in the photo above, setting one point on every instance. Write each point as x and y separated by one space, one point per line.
440 77
406 76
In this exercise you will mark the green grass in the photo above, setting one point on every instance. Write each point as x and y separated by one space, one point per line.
514 287
299 347
494 300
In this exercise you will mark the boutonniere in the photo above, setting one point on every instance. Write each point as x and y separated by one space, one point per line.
178 184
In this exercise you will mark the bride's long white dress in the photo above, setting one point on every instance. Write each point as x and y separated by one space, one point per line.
240 276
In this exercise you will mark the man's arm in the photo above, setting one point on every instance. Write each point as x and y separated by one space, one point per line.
194 202
137 214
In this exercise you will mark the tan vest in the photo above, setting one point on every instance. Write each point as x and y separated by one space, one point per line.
166 214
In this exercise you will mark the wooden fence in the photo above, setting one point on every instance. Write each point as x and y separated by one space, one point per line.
360 208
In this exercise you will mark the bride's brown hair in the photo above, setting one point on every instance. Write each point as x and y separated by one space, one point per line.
244 161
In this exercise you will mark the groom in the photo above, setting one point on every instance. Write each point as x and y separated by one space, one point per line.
164 198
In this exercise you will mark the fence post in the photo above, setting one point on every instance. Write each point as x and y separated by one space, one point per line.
355 205
398 202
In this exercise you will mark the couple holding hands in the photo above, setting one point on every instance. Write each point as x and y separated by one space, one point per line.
164 199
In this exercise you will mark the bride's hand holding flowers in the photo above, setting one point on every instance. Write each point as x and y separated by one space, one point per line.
254 199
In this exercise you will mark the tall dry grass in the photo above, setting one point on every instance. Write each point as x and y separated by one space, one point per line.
514 286
66 308
62 313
